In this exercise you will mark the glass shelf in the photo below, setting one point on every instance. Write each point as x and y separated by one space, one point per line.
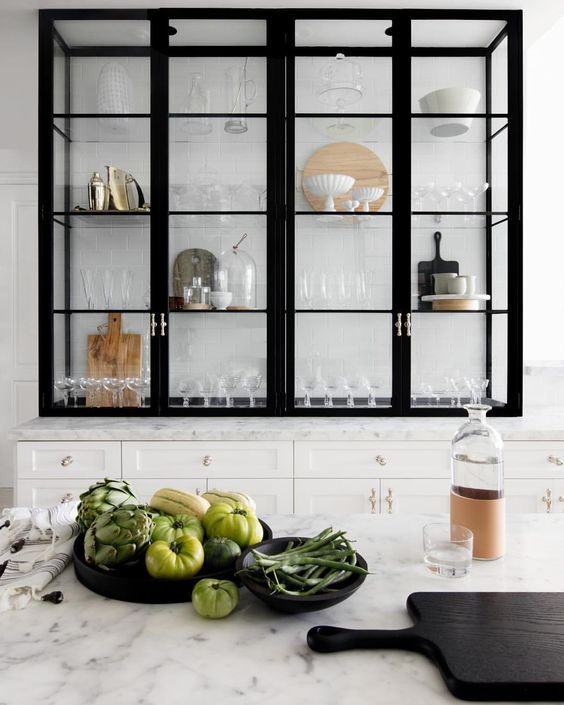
104 128
100 310
96 219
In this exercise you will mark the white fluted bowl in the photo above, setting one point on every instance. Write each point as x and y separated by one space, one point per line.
329 186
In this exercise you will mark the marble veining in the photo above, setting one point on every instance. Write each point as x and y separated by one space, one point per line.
93 651
546 426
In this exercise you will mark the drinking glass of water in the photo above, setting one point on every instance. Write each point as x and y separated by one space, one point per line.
447 549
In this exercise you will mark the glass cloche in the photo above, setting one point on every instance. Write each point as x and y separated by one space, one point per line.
236 272
340 82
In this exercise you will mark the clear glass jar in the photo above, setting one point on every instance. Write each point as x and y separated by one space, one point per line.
340 82
236 272
196 296
477 498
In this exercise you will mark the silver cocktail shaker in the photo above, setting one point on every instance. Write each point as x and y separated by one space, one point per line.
98 193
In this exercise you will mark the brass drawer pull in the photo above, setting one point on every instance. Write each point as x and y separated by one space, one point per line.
373 501
381 460
66 498
67 460
555 460
207 460
547 499
389 499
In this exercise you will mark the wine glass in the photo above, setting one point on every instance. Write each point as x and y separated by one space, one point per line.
229 384
351 385
374 384
88 277
65 386
331 385
115 385
186 389
206 387
251 385
308 384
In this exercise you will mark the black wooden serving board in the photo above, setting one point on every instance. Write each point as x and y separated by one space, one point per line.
487 645
425 270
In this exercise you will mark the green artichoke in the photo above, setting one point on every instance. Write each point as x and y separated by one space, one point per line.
118 536
103 497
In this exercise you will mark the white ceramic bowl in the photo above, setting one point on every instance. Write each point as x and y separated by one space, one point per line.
457 99
441 281
221 299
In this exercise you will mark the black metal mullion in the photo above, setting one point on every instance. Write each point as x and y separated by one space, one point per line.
401 219
488 230
45 220
290 317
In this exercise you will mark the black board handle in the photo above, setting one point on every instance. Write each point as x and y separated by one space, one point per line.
437 236
327 639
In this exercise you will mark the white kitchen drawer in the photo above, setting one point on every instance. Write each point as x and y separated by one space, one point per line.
73 459
372 459
351 496
144 489
44 493
407 496
273 496
529 459
212 459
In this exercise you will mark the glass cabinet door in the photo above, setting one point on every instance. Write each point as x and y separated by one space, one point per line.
461 223
340 292
220 234
95 228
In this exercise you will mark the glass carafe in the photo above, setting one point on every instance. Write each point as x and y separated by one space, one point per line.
197 103
476 499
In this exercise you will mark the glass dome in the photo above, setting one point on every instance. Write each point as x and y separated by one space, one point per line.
340 82
236 273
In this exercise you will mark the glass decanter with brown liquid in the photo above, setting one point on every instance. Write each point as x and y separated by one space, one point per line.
476 498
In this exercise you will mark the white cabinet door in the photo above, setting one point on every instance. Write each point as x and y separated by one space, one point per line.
526 496
213 459
409 496
144 489
336 496
272 496
339 459
60 459
44 493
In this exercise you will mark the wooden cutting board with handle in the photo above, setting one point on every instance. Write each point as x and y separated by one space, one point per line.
113 355
425 270
487 645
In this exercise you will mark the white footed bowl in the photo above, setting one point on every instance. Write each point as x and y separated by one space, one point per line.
367 193
221 299
329 184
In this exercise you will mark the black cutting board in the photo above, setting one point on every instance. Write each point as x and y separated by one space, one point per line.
425 270
487 645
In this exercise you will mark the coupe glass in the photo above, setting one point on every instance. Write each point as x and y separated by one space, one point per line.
136 384
251 385
207 386
374 384
115 385
308 384
88 277
93 387
229 384
331 386
474 192
64 385
419 192
351 385
107 287
445 192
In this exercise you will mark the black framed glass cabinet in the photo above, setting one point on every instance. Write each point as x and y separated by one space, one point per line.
280 212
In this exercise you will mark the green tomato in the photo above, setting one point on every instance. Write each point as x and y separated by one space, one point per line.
169 528
237 523
215 598
175 560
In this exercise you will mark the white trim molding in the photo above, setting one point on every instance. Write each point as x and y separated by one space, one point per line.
18 178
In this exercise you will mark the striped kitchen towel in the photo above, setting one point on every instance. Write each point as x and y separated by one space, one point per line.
48 534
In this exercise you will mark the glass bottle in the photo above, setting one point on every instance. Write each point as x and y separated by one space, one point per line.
197 102
477 499
196 296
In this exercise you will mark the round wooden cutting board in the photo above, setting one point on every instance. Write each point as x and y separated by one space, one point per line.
347 158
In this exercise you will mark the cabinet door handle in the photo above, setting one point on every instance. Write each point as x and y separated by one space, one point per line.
381 460
407 324
547 499
397 324
153 324
163 325
555 460
66 498
67 460
207 460
373 501
389 499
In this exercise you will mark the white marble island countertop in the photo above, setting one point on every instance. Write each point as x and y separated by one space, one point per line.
545 425
93 651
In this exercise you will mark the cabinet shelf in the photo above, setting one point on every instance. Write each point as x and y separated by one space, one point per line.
70 311
213 310
96 219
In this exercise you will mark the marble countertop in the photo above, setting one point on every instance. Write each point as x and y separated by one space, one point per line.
93 651
545 425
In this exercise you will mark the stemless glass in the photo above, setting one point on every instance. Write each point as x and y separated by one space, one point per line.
251 385
187 389
447 549
229 384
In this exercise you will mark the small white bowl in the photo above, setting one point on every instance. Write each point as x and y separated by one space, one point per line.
221 299
457 99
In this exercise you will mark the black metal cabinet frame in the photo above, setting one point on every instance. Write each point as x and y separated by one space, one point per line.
280 52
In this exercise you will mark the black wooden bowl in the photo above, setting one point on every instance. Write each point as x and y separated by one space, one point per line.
295 603
134 584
